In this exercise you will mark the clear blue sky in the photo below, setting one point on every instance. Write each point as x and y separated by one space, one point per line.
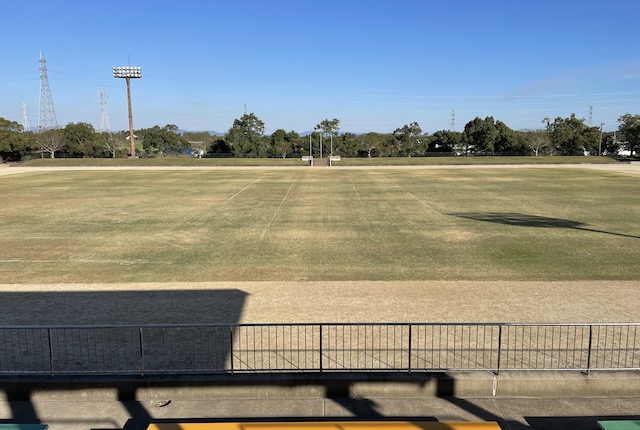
375 65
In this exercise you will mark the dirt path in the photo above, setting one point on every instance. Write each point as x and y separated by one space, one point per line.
631 168
261 302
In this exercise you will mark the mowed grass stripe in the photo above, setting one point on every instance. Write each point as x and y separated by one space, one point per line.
319 224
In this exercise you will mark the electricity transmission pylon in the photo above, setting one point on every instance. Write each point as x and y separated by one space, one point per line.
105 127
25 119
47 119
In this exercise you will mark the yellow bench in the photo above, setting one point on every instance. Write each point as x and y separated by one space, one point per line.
328 425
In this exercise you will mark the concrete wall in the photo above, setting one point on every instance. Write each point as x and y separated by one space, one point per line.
357 386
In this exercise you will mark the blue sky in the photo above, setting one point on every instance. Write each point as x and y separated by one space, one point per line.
375 65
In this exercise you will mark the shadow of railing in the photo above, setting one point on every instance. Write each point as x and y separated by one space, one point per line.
66 349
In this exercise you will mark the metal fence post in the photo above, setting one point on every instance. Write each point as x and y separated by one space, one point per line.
231 348
50 353
321 352
589 350
141 338
410 334
499 348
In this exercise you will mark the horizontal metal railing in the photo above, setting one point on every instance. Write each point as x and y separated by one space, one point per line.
281 348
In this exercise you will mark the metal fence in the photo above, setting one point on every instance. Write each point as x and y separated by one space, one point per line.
281 348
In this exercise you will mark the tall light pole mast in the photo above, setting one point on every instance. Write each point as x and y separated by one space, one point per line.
129 72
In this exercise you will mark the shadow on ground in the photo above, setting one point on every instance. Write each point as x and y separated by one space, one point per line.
524 220
106 308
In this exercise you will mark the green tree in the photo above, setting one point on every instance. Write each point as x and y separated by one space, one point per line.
389 146
480 135
156 140
445 141
369 142
329 127
569 136
629 129
347 145
112 143
610 143
591 140
81 139
13 142
246 137
506 140
409 139
282 143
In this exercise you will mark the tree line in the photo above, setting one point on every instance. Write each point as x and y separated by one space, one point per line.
246 138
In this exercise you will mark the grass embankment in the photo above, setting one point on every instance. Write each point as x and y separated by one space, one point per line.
165 161
319 224
381 161
417 161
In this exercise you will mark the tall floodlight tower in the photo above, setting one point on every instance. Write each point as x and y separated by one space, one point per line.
47 118
453 121
128 72
105 127
25 119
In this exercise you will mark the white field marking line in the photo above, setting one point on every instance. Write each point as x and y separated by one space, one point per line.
277 210
157 238
223 205
63 260
226 202
242 190
364 213
423 203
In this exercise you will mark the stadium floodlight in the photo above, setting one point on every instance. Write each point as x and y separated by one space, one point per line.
128 73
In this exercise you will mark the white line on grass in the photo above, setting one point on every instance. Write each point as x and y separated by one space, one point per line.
364 213
239 192
440 214
277 210
64 260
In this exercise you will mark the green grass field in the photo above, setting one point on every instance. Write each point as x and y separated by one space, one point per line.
319 224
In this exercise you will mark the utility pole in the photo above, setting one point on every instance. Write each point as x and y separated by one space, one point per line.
600 147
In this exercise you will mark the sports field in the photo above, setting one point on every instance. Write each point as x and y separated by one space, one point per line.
319 224
391 231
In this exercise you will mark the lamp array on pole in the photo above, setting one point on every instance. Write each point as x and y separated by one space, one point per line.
128 73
